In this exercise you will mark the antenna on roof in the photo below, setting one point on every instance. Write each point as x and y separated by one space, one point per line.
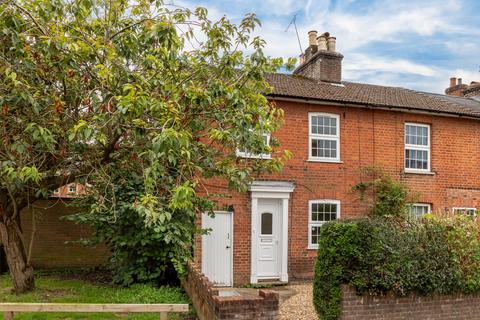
296 31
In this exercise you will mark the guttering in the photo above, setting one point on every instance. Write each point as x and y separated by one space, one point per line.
370 106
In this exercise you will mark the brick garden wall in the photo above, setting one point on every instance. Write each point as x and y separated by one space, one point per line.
52 246
412 307
211 306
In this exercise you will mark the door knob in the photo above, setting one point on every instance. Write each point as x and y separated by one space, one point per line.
227 247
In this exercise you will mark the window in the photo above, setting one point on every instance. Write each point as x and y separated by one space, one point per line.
417 147
246 154
320 211
418 210
324 137
72 188
469 211
267 223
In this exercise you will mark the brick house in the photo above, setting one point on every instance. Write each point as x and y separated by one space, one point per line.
334 129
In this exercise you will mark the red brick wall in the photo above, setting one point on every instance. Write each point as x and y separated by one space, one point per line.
368 137
412 307
50 247
211 306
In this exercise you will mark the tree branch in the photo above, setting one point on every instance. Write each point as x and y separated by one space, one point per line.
30 16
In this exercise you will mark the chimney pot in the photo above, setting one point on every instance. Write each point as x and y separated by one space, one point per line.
312 38
453 82
322 42
459 81
320 61
331 42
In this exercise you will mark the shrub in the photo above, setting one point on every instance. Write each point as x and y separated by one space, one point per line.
384 195
376 255
141 253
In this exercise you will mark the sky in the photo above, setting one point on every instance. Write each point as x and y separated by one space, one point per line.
413 44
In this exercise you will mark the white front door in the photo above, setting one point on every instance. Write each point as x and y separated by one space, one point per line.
268 238
217 248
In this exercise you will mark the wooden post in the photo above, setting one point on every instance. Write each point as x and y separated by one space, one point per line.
163 315
8 315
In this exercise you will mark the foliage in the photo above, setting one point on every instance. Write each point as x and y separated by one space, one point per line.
141 253
92 87
386 196
376 255
52 289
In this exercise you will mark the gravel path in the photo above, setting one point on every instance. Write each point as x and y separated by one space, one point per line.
299 306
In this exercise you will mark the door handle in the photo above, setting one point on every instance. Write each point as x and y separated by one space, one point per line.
227 247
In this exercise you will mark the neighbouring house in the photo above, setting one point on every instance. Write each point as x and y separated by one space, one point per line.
334 128
70 190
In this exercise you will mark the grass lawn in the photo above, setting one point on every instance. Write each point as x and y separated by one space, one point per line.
56 289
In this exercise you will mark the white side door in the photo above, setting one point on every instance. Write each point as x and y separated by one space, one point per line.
217 248
268 237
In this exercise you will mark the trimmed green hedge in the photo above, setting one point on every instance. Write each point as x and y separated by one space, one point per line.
377 255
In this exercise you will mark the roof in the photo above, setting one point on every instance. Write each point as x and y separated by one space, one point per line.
300 87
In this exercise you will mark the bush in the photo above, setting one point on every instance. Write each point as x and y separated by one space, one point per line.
141 253
375 255
384 195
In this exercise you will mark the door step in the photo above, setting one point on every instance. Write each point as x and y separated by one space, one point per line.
272 282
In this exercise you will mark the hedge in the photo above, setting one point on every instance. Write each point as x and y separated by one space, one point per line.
376 255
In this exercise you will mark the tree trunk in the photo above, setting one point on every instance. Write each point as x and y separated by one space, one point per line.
20 270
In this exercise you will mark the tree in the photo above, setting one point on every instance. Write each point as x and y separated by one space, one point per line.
91 88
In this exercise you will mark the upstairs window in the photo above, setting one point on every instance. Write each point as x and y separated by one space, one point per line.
324 137
417 147
468 211
418 210
248 154
320 211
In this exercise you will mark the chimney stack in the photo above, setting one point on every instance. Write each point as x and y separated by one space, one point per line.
320 61
459 89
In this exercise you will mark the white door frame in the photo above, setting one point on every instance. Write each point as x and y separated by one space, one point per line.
231 244
270 190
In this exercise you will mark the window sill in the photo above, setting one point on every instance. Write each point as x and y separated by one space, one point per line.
427 173
312 247
261 157
324 160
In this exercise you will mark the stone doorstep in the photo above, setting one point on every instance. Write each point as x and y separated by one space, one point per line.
284 292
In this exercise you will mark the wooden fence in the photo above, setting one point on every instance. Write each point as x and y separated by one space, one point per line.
10 308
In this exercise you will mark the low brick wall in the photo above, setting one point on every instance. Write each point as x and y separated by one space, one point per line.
211 306
412 307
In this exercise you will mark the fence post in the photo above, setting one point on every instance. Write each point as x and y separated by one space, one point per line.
163 315
8 315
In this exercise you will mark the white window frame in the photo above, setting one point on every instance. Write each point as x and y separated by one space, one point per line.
428 205
417 147
312 223
246 154
456 209
70 189
312 136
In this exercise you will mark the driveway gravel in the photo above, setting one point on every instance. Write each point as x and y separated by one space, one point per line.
299 305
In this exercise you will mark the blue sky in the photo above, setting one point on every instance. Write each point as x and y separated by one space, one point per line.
413 44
